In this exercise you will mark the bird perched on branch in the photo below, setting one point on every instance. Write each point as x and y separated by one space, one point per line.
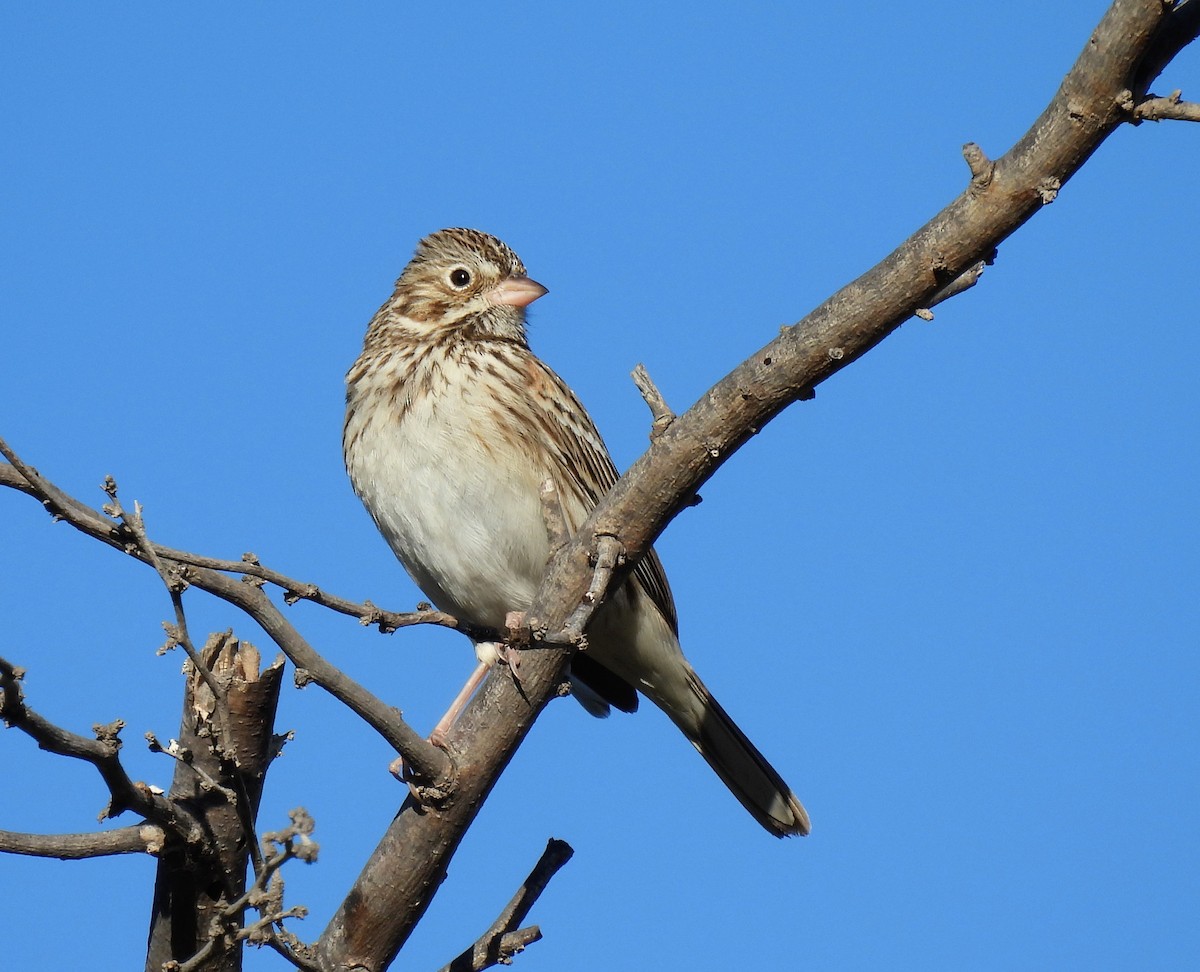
452 426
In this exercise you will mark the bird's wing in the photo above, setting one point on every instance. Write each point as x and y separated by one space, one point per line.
588 473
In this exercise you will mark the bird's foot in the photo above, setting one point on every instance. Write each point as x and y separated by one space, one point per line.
494 652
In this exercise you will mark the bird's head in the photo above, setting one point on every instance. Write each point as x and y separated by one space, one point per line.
465 280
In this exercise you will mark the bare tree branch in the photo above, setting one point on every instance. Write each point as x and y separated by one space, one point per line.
266 896
172 579
1107 86
20 476
140 839
184 757
225 747
425 761
498 950
103 752
504 938
398 882
1153 108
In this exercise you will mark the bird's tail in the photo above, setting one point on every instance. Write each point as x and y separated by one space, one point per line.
736 761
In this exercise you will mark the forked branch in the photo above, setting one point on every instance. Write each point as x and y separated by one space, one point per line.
424 760
103 752
505 938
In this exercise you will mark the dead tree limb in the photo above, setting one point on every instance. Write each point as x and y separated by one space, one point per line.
506 937
1131 45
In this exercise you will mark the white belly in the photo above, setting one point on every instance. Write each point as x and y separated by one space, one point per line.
456 500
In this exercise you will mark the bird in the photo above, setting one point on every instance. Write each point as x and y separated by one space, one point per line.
452 426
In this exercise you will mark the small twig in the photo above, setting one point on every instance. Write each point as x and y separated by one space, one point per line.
515 942
183 755
261 929
265 895
294 842
300 954
1170 108
504 938
198 958
27 479
139 839
388 621
609 554
174 579
259 932
659 409
178 635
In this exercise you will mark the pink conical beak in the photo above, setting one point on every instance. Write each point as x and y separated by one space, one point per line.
516 292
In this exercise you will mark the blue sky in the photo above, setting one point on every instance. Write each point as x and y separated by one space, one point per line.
954 598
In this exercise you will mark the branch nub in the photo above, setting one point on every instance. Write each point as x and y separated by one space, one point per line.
663 416
982 168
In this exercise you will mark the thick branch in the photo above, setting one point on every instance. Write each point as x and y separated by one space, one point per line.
398 882
224 748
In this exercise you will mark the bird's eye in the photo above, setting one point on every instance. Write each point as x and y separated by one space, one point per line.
459 277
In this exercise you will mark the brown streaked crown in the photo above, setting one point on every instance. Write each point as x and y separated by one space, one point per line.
462 245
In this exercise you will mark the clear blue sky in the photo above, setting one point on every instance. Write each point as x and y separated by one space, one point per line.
954 598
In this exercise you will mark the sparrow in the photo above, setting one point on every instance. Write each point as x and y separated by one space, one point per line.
452 426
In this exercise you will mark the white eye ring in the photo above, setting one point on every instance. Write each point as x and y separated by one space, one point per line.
459 278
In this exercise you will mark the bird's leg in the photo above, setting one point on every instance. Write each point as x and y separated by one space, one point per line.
488 653
438 735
